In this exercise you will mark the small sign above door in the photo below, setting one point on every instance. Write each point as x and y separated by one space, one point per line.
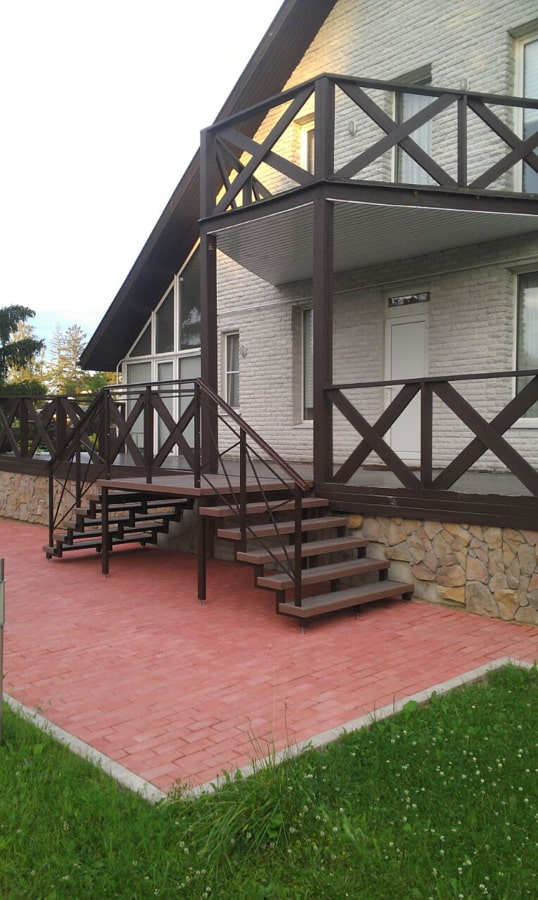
408 299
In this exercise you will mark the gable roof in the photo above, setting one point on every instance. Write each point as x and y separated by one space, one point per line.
288 37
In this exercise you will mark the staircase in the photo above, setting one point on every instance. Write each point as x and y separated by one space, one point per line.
134 517
330 558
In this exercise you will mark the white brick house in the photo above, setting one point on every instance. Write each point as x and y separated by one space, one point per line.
410 265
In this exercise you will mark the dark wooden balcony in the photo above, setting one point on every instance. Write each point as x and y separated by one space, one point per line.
259 184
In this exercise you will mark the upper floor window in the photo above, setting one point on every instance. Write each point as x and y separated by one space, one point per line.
527 330
407 105
529 73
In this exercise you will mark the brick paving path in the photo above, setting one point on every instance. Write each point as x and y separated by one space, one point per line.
175 691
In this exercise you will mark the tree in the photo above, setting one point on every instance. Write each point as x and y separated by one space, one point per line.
27 380
64 374
16 352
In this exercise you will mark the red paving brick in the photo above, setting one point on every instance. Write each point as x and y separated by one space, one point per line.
175 691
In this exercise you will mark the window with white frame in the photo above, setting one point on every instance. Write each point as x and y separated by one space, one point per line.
308 363
231 368
407 105
528 68
527 331
307 144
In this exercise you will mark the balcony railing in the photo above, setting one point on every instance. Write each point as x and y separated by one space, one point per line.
475 144
450 425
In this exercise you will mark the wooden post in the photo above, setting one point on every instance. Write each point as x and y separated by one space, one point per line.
104 531
208 332
426 434
323 338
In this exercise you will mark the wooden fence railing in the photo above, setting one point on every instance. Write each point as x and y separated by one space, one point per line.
427 472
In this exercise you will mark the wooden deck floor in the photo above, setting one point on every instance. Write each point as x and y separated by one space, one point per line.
184 485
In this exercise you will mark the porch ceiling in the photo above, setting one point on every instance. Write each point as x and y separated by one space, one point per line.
278 248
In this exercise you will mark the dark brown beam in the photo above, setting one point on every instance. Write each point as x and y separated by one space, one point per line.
322 292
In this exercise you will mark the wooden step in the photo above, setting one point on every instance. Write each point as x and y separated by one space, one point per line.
265 531
350 597
62 545
127 506
281 581
74 534
116 495
258 508
310 548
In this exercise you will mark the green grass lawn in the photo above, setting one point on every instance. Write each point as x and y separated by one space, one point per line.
439 801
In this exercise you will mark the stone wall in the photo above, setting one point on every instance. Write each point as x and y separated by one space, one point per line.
25 497
491 571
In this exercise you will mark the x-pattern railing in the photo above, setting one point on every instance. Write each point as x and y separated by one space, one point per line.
488 435
34 425
232 160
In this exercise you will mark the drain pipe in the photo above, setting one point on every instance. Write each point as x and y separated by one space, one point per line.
2 620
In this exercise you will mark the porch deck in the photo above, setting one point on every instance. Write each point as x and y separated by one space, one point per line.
172 690
473 482
184 485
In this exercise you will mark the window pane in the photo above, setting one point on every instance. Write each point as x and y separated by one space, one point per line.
308 364
232 369
189 305
164 340
189 367
409 171
137 373
165 372
530 122
143 345
527 330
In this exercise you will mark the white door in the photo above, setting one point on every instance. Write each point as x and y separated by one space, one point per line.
407 357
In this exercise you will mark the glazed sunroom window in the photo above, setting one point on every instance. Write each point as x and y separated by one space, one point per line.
174 327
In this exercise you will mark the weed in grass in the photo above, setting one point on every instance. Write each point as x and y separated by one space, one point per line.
247 814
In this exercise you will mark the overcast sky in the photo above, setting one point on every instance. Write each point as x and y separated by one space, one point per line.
102 106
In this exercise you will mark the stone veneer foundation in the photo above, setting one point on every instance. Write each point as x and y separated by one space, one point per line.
26 497
487 570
